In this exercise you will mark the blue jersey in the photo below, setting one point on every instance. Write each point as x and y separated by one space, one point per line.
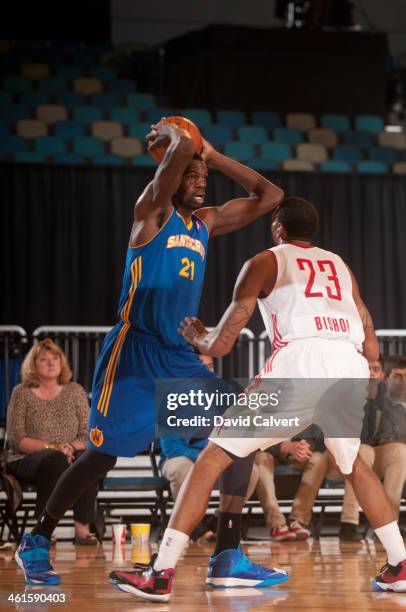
163 279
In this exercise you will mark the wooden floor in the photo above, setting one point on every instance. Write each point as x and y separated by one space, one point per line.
324 575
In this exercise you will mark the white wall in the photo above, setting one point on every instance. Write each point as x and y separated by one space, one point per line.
155 21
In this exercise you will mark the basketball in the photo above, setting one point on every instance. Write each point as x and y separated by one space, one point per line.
158 152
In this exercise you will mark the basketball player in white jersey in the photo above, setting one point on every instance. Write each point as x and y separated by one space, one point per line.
320 329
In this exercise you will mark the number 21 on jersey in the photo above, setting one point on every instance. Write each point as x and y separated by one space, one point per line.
332 288
188 268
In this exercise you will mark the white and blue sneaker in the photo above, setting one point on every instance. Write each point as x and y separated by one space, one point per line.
32 556
231 568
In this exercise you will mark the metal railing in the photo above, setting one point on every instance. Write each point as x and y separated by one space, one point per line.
82 345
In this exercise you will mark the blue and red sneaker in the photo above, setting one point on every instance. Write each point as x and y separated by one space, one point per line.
33 557
146 582
391 578
231 568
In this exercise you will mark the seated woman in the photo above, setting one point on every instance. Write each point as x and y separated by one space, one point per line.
47 430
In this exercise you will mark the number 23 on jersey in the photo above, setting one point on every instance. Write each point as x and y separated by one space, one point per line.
332 287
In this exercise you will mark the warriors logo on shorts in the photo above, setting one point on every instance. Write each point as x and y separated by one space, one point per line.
96 436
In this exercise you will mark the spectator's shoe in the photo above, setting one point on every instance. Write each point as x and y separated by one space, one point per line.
349 533
231 568
33 557
145 582
282 534
391 578
302 532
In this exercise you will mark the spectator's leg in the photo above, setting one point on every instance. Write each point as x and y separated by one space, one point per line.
350 511
390 464
314 472
43 469
175 470
266 491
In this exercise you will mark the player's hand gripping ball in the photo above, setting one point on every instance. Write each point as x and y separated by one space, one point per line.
158 139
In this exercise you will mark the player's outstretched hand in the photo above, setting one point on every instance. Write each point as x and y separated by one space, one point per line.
192 329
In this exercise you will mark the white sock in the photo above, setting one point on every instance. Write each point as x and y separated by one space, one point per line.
392 542
172 546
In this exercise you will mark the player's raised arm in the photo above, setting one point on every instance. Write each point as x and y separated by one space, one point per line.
256 280
263 195
371 346
156 197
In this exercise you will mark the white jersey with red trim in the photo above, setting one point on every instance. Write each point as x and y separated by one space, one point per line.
312 298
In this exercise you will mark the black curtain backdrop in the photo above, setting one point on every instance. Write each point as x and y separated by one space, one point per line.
64 232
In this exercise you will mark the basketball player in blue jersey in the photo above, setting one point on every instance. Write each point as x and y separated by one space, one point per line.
162 284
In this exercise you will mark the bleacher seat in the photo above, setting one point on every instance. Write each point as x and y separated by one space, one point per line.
104 73
154 115
301 121
69 130
139 130
31 157
87 86
241 151
333 165
314 153
9 145
87 60
122 86
145 161
87 146
267 119
51 113
124 115
323 136
31 128
252 134
396 140
347 153
65 47
199 116
338 123
106 99
31 99
50 145
232 118
53 85
387 155
17 84
141 101
14 112
263 164
69 72
35 71
297 165
372 167
126 147
399 168
70 99
369 123
217 135
289 136
276 151
357 138
87 114
108 160
106 130
68 158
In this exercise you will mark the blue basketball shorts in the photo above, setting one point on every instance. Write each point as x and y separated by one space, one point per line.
122 413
